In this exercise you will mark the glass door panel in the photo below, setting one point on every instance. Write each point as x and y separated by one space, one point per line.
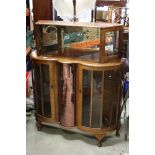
97 99
36 72
37 88
41 84
86 97
107 97
46 90
115 96
100 97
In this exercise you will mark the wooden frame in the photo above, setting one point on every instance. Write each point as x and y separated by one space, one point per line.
79 89
38 116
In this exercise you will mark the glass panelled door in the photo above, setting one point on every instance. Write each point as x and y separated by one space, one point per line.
43 89
99 97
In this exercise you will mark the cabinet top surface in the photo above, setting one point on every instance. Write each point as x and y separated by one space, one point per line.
114 63
78 24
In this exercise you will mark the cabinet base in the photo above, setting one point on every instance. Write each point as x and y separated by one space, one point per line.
98 135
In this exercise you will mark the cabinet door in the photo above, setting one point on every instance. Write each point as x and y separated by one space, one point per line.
43 89
99 97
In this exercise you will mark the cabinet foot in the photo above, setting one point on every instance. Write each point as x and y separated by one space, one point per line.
38 125
100 139
118 129
117 134
99 144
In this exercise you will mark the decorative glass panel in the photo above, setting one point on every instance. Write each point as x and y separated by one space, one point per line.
86 95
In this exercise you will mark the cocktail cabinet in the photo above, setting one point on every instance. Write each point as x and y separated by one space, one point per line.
77 76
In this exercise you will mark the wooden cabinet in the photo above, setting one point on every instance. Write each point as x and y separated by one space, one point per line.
77 76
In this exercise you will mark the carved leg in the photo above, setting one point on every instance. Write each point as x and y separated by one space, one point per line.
38 124
99 137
